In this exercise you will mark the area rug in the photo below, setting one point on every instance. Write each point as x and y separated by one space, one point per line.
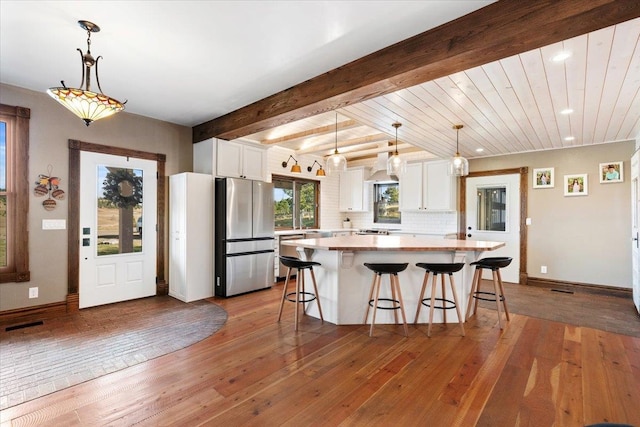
42 359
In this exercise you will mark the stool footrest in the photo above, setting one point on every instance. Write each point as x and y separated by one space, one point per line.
394 301
451 305
302 294
475 295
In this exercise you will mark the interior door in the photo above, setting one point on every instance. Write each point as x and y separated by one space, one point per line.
493 214
118 211
635 227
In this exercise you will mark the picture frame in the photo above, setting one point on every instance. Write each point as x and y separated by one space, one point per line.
544 178
576 185
611 172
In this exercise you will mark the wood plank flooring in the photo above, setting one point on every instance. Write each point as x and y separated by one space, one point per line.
255 371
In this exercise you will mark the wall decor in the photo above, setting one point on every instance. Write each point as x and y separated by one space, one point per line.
576 185
611 172
48 185
543 178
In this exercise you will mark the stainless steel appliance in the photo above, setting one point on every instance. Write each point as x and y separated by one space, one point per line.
244 236
381 231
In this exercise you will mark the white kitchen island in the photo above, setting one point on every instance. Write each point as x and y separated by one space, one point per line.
344 281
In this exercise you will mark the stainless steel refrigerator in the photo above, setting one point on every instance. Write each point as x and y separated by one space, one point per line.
244 236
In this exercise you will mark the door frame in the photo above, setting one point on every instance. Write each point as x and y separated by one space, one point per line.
73 239
524 191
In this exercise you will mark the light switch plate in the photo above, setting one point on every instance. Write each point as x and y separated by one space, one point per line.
54 224
527 221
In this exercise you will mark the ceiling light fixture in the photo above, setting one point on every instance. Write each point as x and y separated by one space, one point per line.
569 138
336 162
295 168
395 164
458 165
319 172
566 111
561 56
84 103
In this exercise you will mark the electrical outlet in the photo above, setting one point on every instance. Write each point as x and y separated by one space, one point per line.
543 269
33 292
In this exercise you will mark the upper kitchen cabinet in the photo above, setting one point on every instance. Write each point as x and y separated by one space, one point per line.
427 187
233 159
354 193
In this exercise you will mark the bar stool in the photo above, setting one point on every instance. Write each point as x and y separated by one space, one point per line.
300 296
446 304
494 264
396 296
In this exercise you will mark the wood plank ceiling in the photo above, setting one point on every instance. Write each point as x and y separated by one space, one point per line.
512 105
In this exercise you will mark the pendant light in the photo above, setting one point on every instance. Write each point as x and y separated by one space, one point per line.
458 165
336 162
395 164
84 103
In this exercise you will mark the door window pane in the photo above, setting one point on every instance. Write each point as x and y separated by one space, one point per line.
119 210
386 206
492 209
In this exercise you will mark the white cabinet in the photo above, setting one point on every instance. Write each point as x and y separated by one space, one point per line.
239 160
427 187
234 159
341 233
191 236
354 192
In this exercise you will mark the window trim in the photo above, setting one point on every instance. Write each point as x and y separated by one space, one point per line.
295 179
17 119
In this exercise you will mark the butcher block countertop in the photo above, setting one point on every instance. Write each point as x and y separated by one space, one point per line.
393 243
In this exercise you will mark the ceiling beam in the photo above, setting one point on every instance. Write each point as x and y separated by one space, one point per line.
499 30
322 130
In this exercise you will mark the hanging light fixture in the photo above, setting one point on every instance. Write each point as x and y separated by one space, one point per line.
395 164
319 172
458 165
336 162
295 168
84 103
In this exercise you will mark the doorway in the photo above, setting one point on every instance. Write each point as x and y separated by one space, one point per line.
75 234
493 206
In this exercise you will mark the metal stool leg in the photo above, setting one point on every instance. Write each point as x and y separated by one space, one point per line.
455 300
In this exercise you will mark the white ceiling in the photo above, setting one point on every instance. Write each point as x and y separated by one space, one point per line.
191 61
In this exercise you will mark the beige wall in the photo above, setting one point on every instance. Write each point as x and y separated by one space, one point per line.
51 126
582 239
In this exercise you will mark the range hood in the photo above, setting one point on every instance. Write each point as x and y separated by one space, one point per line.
380 174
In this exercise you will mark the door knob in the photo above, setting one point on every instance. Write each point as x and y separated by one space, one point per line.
469 235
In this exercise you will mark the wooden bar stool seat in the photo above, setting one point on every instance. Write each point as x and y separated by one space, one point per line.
300 295
494 264
441 269
392 269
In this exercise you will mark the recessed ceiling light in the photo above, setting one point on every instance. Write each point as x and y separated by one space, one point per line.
561 56
567 111
569 138
479 150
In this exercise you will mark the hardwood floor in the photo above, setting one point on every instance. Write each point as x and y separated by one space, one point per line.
255 371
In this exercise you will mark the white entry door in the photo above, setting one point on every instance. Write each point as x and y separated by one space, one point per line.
493 214
635 227
118 211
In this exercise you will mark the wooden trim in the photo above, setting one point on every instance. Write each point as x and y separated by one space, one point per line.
73 303
29 314
581 287
524 197
73 266
18 126
499 30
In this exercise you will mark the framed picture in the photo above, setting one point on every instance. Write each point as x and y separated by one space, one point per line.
576 185
611 172
543 178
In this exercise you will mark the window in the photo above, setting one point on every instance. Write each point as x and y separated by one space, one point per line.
492 209
14 193
386 205
296 203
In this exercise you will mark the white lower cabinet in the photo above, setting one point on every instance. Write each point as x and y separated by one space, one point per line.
191 236
427 187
